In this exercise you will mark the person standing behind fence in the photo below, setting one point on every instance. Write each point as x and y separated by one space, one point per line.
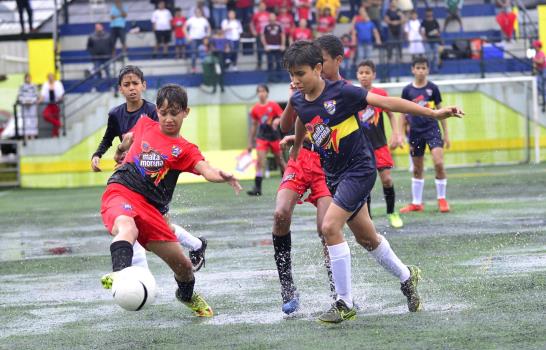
99 45
539 62
412 28
430 31
233 28
51 94
364 33
197 28
23 5
394 19
178 23
259 20
161 22
27 98
118 15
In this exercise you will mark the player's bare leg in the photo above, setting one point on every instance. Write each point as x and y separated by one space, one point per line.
279 159
196 246
441 178
257 190
417 186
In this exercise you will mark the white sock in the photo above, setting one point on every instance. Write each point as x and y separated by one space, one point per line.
384 255
417 186
186 239
340 262
441 187
139 256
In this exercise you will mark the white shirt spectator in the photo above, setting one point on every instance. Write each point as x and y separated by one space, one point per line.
413 27
161 19
58 89
197 28
232 29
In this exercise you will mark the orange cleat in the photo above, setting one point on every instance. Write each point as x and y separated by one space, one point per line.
412 207
443 205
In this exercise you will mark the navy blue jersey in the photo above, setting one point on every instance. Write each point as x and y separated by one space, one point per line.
120 121
333 126
427 96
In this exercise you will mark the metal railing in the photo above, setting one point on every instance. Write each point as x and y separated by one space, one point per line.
25 115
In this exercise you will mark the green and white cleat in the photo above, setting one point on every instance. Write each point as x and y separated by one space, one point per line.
409 289
107 280
395 220
338 313
197 304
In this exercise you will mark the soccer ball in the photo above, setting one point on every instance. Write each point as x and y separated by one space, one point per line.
133 288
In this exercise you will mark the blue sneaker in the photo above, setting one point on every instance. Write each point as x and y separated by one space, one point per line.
291 305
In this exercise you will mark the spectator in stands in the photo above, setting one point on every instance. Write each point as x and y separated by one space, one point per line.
118 15
244 9
373 8
348 52
221 49
332 5
259 20
412 28
326 23
354 6
274 42
364 33
205 11
99 46
286 19
394 20
233 28
52 93
302 32
430 31
539 63
161 22
219 12
197 28
27 98
303 10
23 5
506 18
177 23
454 13
212 71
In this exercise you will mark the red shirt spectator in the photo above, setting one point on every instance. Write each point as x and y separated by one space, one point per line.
302 32
326 22
260 19
242 4
303 10
178 25
286 20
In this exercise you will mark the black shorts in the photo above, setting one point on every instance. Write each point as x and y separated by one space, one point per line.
418 141
352 189
118 32
162 36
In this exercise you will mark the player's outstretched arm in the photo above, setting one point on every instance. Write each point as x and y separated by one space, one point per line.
298 139
217 175
396 137
104 145
252 134
397 104
288 118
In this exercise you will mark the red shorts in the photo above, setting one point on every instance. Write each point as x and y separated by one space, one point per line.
118 200
303 174
383 158
264 145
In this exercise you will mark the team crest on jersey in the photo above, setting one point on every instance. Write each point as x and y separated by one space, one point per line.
175 151
367 115
330 106
319 132
429 92
288 177
127 206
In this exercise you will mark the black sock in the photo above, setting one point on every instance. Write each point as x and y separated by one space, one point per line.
122 255
389 198
185 289
283 260
258 183
327 265
369 203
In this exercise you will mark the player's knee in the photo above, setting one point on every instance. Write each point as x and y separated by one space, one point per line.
387 182
282 216
328 229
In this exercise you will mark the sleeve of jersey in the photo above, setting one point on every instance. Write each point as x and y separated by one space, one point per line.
437 96
405 94
191 157
278 110
137 128
355 97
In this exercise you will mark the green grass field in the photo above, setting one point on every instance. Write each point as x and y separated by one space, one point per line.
484 269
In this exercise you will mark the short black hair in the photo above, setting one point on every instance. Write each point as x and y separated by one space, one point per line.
263 86
331 44
176 9
419 60
129 69
302 53
176 97
367 63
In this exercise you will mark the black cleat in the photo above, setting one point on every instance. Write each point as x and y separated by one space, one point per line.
197 257
254 192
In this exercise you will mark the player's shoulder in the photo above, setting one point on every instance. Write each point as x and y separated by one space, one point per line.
431 85
117 110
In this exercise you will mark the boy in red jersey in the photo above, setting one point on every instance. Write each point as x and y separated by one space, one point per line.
372 120
264 117
177 24
141 188
259 20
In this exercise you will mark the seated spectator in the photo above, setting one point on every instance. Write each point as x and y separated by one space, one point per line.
412 28
286 19
332 5
99 46
27 98
219 12
197 28
453 13
232 29
302 32
118 15
430 31
161 22
177 24
274 42
303 11
394 20
326 23
52 93
259 20
364 32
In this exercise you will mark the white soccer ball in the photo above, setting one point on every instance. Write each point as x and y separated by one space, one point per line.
134 288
